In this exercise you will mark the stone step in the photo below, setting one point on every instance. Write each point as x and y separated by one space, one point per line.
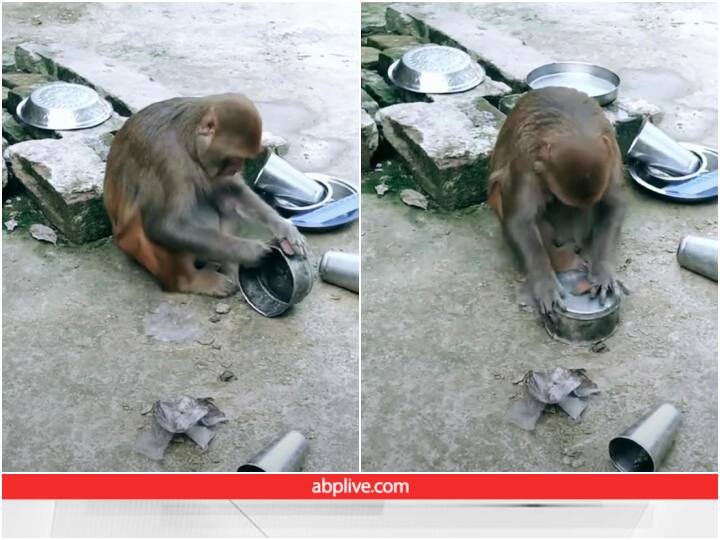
65 177
446 145
369 139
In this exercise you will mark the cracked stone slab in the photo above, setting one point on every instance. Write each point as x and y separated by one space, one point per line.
504 57
127 89
65 177
368 104
446 145
369 139
369 57
372 19
379 90
489 89
390 41
11 80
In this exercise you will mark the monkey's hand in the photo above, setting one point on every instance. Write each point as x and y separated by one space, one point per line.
547 293
290 239
250 253
603 282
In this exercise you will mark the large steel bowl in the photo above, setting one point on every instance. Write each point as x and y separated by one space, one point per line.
436 69
278 284
64 106
596 81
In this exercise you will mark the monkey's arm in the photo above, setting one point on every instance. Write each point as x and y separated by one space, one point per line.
604 241
521 224
235 195
184 234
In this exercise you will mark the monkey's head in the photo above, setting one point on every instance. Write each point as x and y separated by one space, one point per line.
229 132
576 171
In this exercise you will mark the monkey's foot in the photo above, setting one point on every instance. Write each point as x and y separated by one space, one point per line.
232 271
211 283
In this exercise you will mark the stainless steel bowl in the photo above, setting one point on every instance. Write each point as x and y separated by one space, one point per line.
582 320
596 81
64 106
278 284
436 69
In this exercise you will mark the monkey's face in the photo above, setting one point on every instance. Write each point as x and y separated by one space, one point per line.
232 135
578 174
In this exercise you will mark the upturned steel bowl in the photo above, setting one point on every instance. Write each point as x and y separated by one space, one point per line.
278 284
64 106
436 69
596 81
582 320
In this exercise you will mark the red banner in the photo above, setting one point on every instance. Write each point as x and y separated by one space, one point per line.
359 486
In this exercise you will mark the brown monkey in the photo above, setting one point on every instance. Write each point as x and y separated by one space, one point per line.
556 177
165 197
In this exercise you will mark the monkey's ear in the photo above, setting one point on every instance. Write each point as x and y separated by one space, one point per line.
544 156
607 145
208 123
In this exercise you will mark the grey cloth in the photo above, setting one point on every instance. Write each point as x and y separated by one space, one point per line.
569 389
198 419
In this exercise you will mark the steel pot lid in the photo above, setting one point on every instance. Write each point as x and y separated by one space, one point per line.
64 106
436 69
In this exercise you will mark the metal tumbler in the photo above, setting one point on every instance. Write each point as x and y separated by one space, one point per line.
699 255
643 446
657 149
284 454
341 269
281 179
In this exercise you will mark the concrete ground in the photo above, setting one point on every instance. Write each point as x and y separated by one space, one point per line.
78 369
443 338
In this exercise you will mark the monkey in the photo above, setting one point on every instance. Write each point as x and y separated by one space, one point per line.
556 177
175 194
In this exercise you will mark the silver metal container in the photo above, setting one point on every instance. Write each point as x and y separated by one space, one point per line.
341 269
64 106
596 81
700 187
285 183
436 69
284 454
582 320
660 151
644 445
277 285
699 255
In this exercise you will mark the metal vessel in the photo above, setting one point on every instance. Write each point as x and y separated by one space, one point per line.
644 445
284 454
436 69
64 106
341 269
277 285
699 255
596 81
